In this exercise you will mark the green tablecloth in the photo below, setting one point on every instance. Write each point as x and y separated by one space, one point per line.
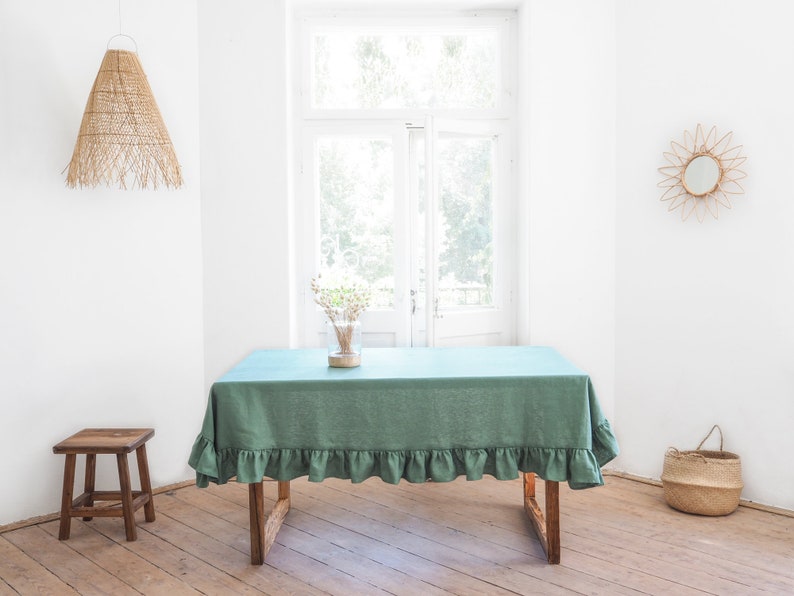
413 413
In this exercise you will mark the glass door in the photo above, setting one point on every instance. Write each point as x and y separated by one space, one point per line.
462 235
420 214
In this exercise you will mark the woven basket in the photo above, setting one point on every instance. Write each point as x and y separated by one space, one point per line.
701 481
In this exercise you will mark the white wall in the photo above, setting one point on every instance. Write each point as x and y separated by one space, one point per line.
100 290
244 179
680 325
705 325
570 100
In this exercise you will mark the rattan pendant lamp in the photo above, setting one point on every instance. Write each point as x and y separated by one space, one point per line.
123 140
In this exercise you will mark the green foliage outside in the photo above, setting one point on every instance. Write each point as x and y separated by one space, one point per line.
399 71
466 259
357 212
356 174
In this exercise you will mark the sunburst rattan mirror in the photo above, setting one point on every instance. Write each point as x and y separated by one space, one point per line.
703 173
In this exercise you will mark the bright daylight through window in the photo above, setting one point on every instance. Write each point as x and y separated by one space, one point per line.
405 173
388 70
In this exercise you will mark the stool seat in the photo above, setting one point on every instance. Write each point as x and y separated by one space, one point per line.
102 441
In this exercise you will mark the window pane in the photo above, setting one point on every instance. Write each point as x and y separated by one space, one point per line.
466 217
357 213
353 69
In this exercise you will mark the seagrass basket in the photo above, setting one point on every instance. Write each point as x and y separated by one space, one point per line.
702 481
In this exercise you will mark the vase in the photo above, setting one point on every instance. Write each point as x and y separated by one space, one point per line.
344 343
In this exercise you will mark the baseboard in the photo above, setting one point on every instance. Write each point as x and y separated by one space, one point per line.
742 502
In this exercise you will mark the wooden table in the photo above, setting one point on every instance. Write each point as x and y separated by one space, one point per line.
407 413
265 526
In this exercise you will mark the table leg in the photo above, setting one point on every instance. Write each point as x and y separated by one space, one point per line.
256 509
263 533
547 528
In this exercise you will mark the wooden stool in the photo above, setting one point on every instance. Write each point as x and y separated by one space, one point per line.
118 441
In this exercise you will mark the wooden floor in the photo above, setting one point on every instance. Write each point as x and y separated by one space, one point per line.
374 538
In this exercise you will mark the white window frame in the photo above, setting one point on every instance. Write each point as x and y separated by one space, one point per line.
309 121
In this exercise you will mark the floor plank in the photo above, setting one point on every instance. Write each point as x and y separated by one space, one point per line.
585 533
468 574
223 546
113 555
82 574
434 539
507 526
229 521
25 575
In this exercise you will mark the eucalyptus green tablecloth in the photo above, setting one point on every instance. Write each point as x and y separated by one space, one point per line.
413 413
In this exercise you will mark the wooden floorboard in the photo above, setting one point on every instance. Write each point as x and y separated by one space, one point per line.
430 539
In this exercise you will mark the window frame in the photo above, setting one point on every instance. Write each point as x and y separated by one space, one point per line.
308 121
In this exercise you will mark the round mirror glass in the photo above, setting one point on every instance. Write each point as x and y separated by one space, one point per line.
701 175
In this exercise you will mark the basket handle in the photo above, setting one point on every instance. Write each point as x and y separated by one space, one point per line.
708 435
673 452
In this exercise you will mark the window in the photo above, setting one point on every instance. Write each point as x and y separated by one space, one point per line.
392 68
403 128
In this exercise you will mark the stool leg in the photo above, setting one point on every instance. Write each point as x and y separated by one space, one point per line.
146 483
126 497
66 497
90 479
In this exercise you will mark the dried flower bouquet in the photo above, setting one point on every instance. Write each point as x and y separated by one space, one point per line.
343 306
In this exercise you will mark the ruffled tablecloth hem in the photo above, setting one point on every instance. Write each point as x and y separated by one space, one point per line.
580 467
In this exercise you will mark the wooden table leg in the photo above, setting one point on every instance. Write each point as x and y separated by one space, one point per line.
263 533
256 509
553 520
547 528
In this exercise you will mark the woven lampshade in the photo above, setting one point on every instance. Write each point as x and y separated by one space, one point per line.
123 138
